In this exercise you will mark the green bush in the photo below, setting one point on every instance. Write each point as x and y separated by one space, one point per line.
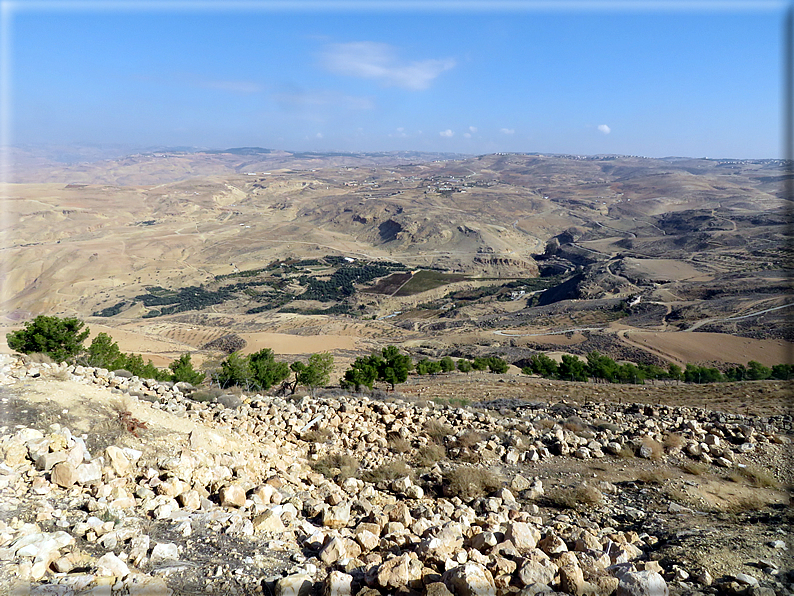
257 372
479 363
60 339
390 366
497 365
542 365
447 364
572 369
102 353
317 373
182 371
464 366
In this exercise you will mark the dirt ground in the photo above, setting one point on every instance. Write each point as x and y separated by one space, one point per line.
757 398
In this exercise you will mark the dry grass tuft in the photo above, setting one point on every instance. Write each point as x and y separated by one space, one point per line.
756 477
317 435
468 439
38 358
389 471
581 497
338 466
696 468
469 482
545 424
674 442
399 445
437 430
657 450
429 455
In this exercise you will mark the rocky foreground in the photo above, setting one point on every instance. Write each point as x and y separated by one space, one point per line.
350 495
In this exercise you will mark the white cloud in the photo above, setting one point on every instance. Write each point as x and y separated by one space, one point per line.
472 129
446 133
604 128
319 135
467 135
507 131
379 61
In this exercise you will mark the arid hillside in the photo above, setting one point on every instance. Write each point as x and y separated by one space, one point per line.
643 259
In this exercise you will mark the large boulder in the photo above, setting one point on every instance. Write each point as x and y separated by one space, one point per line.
470 579
642 583
399 571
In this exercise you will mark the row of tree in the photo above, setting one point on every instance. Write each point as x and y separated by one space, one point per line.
62 340
601 367
260 371
433 367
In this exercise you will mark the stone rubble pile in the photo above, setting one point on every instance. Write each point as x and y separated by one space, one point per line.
90 514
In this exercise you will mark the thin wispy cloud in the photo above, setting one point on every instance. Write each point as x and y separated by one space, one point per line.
604 128
244 87
507 131
380 62
446 133
472 129
306 99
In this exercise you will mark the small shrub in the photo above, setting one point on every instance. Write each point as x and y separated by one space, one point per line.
317 435
573 426
469 439
581 497
469 483
206 395
545 424
696 468
429 455
388 471
399 445
337 466
437 430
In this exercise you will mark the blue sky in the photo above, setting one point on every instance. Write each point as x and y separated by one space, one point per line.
627 78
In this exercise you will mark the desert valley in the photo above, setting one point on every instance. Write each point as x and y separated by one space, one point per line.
455 483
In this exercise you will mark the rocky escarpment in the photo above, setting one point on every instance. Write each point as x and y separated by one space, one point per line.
287 513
